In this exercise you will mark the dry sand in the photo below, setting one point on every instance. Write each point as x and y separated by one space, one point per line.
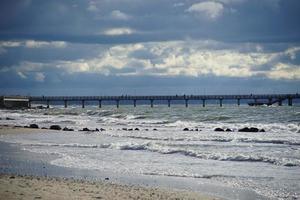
29 187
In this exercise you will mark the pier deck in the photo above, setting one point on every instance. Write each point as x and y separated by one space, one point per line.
269 99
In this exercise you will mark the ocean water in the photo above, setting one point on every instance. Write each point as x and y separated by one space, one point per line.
267 163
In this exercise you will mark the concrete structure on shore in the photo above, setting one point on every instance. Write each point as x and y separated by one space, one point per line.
258 99
14 102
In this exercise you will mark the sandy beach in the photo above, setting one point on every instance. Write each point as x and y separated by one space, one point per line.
14 186
29 187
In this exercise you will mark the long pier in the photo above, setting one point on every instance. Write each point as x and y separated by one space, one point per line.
258 99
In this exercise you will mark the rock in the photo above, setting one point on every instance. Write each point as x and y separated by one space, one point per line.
228 130
124 129
68 129
185 129
33 126
85 129
246 129
8 118
253 129
107 178
146 129
136 129
219 129
97 129
102 129
17 126
262 130
154 129
55 127
130 129
12 177
196 129
44 128
26 126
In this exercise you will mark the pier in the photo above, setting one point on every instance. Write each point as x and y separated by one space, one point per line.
256 99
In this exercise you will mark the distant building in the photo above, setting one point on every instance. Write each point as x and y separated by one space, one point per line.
14 102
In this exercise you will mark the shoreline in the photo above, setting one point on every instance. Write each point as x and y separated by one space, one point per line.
37 187
38 179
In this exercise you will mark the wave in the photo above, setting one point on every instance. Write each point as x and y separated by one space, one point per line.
158 148
273 141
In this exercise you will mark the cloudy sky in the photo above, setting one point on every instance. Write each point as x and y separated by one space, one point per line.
112 47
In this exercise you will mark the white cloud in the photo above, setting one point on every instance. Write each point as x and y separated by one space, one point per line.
119 31
209 9
42 44
22 75
39 76
92 6
117 14
177 58
284 71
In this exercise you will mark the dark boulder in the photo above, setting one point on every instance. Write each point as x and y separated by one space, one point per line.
85 129
33 126
219 129
262 130
97 130
26 126
246 129
154 129
124 129
130 129
43 128
136 129
55 127
185 129
253 129
196 129
102 129
68 129
8 118
228 130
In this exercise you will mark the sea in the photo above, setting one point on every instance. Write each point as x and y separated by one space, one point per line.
151 142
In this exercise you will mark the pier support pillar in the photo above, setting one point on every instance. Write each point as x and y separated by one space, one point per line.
66 103
134 102
279 102
239 102
118 103
270 101
48 104
151 101
203 102
186 103
29 104
169 103
82 103
290 101
100 103
221 102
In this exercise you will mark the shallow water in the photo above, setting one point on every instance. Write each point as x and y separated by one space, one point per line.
267 163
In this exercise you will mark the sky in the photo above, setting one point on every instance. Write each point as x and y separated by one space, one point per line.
148 47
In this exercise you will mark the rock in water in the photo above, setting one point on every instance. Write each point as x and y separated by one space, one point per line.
219 129
85 129
186 129
55 127
246 129
228 130
33 126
